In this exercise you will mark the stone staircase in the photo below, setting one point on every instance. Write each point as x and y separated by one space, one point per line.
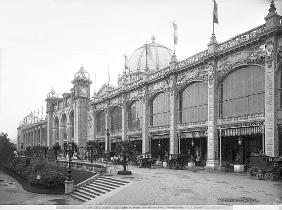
97 187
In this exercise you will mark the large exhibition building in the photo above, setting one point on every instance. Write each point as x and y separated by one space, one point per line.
223 101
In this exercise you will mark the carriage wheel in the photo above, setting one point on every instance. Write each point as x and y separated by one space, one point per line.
259 175
172 164
253 171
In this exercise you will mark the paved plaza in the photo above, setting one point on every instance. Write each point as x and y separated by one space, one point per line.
161 186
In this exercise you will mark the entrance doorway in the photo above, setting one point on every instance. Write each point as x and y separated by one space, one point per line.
160 148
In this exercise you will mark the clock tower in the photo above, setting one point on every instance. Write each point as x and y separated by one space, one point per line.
81 96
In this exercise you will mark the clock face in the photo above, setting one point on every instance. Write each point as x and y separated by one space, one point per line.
83 92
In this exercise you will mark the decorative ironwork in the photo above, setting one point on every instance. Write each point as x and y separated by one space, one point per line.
255 55
250 117
198 74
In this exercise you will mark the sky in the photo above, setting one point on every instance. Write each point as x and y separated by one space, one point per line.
44 43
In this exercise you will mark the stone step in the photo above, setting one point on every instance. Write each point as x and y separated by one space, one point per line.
79 197
76 192
97 189
115 181
92 190
88 193
103 185
118 180
108 184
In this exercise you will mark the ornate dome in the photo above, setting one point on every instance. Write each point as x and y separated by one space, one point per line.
156 56
52 94
81 74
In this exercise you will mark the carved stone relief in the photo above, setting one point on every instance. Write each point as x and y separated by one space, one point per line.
269 53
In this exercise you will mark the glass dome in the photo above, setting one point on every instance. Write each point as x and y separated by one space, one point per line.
152 55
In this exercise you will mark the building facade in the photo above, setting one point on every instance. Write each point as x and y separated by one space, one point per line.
214 105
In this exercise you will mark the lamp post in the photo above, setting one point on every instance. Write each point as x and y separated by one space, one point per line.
69 183
70 153
108 139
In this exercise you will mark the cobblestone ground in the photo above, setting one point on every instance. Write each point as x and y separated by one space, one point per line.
160 186
12 193
185 187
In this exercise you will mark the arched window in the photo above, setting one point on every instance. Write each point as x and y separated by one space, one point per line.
63 126
116 119
193 103
56 126
135 113
100 118
160 110
242 92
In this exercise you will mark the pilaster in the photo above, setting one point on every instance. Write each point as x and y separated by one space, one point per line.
145 123
107 124
271 99
173 116
124 119
212 141
271 81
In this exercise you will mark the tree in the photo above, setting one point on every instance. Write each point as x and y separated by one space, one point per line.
127 150
7 148
92 146
56 147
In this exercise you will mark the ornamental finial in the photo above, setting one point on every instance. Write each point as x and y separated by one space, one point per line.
272 7
153 38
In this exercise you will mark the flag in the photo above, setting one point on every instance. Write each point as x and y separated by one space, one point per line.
215 14
175 35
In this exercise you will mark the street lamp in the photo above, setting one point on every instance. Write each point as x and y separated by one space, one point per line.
70 153
108 140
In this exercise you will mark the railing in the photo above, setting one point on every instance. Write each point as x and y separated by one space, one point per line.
188 124
242 38
159 73
102 168
193 59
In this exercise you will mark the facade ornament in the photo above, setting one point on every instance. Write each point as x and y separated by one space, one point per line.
269 53
210 70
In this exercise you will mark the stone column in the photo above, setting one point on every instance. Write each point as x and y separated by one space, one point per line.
91 124
42 142
271 81
145 123
106 129
173 116
124 119
213 153
33 137
61 135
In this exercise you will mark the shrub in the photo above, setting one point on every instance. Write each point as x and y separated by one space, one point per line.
39 166
50 177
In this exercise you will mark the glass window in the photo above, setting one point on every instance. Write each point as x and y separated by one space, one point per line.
242 92
100 121
193 103
160 110
135 113
116 119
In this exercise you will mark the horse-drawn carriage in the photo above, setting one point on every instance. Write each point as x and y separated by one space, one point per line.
178 161
146 161
265 167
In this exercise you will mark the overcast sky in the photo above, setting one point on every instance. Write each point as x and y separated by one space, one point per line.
43 43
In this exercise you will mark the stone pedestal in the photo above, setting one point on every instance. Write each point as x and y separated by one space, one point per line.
165 164
212 165
69 186
191 164
238 168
